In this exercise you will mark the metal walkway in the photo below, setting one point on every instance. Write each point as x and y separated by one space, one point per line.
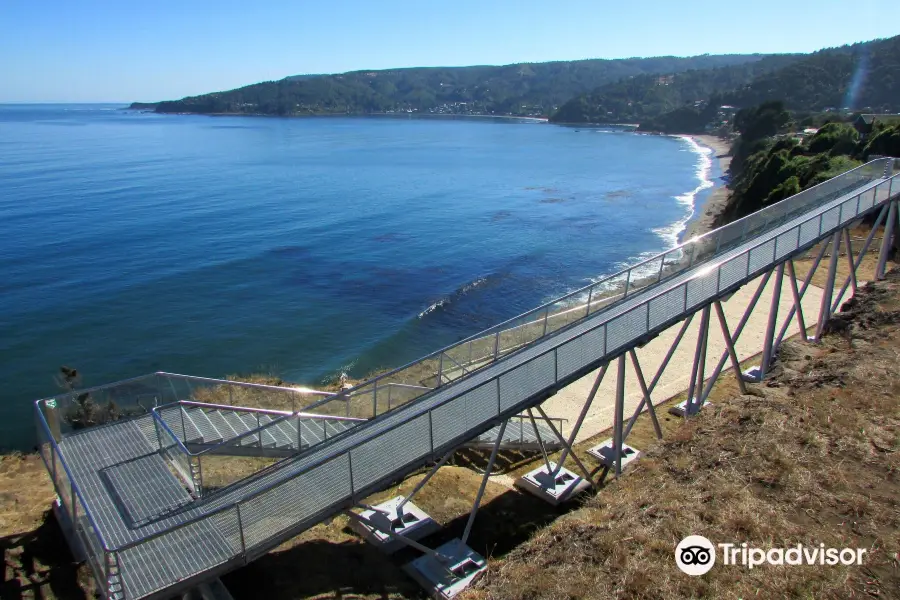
146 536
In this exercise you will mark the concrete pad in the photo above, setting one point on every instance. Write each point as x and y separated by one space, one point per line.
444 579
567 403
415 524
556 490
606 454
679 409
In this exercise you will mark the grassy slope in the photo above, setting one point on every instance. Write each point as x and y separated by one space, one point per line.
811 457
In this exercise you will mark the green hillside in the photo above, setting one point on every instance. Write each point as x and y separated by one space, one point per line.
863 76
519 89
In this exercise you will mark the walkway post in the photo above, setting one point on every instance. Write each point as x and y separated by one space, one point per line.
886 240
825 309
619 414
769 341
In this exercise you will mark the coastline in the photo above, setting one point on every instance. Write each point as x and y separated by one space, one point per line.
706 214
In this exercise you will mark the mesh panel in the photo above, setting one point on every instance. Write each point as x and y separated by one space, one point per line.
830 219
455 418
882 193
761 256
733 271
849 210
294 500
664 307
809 231
449 421
481 404
391 451
526 380
786 243
227 524
702 289
626 327
580 351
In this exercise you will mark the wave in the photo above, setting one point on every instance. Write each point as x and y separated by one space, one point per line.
671 234
456 295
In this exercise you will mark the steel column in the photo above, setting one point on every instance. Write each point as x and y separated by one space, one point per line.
798 307
540 441
729 347
806 283
860 256
584 411
769 342
584 470
886 240
484 480
699 355
850 261
644 400
825 309
425 480
619 414
738 330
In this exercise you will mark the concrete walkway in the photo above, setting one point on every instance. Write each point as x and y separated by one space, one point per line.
568 402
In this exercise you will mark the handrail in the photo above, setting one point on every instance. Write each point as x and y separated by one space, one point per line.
304 415
264 386
284 416
496 328
365 438
244 384
65 467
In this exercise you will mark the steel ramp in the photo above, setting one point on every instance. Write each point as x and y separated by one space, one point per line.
158 556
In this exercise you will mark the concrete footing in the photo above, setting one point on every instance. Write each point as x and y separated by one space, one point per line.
553 490
752 375
445 577
679 409
605 452
415 524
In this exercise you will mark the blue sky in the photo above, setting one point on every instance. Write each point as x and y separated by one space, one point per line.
121 50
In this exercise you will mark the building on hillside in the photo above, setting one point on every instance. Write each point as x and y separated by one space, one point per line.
865 123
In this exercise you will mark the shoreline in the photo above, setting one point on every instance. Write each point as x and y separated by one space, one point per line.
706 213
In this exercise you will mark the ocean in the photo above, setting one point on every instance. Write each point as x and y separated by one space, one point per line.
133 242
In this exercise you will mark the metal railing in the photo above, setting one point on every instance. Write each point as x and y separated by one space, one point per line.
323 482
463 358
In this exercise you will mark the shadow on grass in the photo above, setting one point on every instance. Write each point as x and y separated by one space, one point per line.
38 564
323 569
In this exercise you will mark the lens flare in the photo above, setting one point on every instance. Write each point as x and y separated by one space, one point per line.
857 82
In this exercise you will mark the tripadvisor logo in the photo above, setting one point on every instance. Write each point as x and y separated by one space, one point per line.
696 555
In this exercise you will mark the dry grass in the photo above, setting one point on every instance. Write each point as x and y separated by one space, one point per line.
811 457
36 559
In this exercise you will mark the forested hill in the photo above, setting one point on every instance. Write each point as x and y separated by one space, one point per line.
522 89
859 76
637 99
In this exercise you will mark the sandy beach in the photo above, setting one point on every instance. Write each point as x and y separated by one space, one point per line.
715 204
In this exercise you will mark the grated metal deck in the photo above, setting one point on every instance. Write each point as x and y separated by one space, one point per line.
134 496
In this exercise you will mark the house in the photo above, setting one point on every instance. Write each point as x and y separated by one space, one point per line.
864 124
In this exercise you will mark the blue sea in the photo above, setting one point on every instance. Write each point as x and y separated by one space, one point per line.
132 242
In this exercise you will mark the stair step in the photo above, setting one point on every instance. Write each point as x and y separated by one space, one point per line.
210 434
268 434
238 425
221 424
181 425
289 427
312 431
282 440
250 420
